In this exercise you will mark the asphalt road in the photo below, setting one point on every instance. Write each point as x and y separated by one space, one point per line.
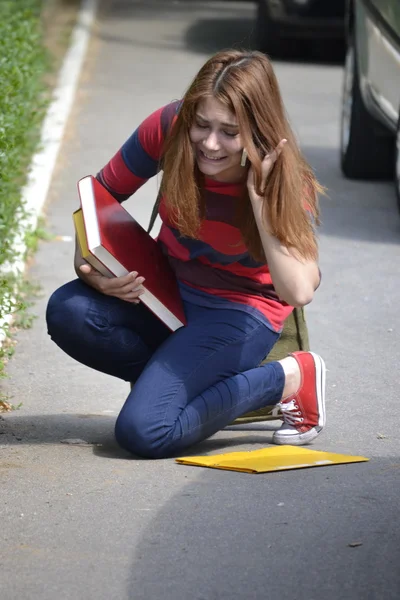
88 521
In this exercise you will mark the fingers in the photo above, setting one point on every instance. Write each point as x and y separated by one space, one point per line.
132 296
131 292
124 281
128 287
272 156
266 166
85 269
281 145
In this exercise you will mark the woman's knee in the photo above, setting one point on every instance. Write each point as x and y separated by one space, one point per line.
143 438
66 309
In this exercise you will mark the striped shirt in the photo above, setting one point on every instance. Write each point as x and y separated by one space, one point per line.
215 269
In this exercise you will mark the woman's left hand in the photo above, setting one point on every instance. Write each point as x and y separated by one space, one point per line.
266 167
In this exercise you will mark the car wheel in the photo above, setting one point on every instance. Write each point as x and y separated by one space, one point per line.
397 163
267 32
365 152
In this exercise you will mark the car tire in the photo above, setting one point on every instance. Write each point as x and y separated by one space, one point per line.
397 163
365 152
268 38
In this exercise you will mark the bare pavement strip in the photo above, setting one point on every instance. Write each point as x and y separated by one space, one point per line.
86 520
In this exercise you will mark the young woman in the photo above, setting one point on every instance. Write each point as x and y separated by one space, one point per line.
239 205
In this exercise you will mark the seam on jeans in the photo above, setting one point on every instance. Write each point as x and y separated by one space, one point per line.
247 336
239 403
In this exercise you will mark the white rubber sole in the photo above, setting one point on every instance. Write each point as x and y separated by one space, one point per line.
296 439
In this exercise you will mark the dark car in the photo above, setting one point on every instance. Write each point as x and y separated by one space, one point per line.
370 129
279 21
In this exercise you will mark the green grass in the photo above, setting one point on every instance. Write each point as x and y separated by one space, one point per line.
23 99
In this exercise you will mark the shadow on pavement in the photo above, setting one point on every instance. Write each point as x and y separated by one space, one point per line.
98 431
326 532
53 428
216 26
208 36
171 10
354 210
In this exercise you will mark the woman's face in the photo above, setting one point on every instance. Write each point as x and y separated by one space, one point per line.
216 141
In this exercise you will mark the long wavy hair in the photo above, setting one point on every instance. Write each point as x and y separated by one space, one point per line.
246 84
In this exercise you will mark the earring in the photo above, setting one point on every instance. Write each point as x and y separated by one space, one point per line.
244 158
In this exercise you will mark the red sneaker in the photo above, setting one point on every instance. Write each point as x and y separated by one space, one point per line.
304 413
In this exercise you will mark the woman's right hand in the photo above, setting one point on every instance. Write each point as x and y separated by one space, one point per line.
128 287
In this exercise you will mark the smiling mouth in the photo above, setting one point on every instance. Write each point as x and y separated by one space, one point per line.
209 157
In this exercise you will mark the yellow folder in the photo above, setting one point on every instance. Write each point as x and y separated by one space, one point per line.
279 458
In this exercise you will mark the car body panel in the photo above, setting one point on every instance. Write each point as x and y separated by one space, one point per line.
377 35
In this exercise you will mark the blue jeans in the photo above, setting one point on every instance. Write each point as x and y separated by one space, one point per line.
188 384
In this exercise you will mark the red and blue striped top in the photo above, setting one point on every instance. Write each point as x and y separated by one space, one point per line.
216 269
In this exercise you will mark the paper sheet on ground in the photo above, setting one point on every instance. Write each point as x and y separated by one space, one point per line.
265 460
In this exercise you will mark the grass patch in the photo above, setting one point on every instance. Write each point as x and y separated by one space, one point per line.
34 36
25 292
23 100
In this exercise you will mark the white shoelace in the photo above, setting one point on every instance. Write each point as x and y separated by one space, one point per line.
291 413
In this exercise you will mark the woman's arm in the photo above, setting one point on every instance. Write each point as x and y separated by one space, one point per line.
136 161
294 278
139 158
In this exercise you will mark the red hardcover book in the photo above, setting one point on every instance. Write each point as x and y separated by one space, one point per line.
121 244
